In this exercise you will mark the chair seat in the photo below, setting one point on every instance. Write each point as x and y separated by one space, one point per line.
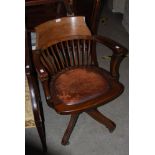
77 87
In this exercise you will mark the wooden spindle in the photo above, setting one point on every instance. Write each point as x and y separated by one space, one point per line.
89 53
60 56
74 52
46 66
69 53
55 58
84 52
81 50
48 62
78 51
52 61
64 53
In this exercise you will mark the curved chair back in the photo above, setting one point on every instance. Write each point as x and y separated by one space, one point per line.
60 29
64 43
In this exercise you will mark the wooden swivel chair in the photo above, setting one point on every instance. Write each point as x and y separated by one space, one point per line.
66 63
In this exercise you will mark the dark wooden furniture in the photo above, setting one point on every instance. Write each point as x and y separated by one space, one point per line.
66 63
40 11
35 97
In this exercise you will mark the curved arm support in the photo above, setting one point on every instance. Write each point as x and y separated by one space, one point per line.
119 52
42 74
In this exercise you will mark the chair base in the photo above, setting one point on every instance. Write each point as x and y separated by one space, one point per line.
72 122
95 114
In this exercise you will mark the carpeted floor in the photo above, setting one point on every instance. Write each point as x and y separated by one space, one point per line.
89 137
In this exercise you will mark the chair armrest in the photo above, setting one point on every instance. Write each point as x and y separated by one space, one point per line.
117 48
43 75
119 52
40 69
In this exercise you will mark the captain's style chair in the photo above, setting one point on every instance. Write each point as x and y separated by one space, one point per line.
66 63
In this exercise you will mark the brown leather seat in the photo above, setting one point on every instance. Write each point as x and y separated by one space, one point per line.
81 85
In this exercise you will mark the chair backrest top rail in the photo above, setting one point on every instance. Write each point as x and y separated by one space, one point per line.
61 29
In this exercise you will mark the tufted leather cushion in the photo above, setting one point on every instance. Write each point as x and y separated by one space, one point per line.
79 85
29 118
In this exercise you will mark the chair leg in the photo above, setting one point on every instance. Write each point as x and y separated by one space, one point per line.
41 130
72 122
95 114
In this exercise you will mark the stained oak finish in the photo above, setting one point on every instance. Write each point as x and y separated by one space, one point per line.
58 30
67 66
72 122
40 11
95 114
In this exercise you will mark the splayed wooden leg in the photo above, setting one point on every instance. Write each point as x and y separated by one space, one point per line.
72 122
95 114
